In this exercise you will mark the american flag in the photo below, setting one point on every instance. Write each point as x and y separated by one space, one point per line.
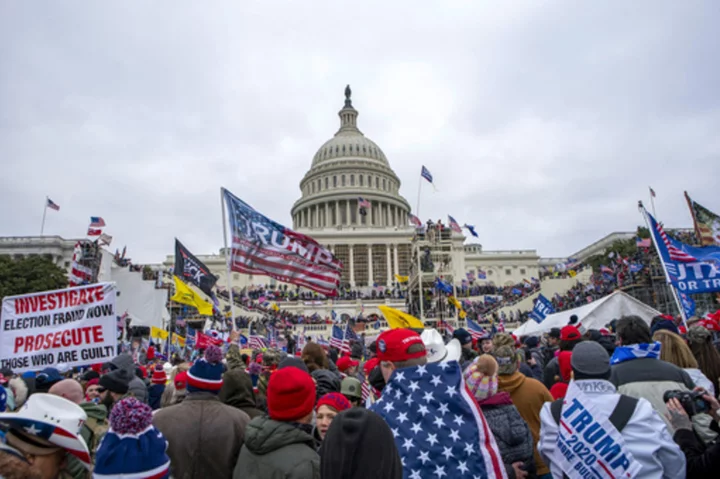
96 222
425 173
256 341
366 390
676 254
263 247
363 203
475 330
79 274
439 429
448 328
642 243
415 220
338 337
454 225
501 326
321 341
52 205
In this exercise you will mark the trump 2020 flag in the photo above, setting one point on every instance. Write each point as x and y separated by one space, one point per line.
542 308
262 246
439 429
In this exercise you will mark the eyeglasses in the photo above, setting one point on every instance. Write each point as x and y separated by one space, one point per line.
101 389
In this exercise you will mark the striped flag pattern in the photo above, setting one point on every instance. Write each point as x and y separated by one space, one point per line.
676 254
454 225
261 246
476 331
338 337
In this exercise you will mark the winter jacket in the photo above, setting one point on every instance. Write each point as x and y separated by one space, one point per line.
701 463
645 434
511 432
649 379
550 372
155 392
699 379
237 391
528 395
137 387
277 450
467 356
92 432
204 436
534 372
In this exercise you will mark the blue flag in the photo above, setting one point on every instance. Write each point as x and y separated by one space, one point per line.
691 269
438 427
541 309
443 286
688 304
471 229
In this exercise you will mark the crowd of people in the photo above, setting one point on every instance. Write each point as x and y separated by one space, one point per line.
639 397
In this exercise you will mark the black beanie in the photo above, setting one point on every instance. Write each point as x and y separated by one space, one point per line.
117 381
358 445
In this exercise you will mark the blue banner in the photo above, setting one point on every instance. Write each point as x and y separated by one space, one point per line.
542 308
691 269
688 305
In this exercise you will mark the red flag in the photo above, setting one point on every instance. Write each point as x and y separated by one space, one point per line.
94 232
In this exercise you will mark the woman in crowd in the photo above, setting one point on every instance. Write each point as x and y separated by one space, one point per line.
329 406
708 358
674 350
511 432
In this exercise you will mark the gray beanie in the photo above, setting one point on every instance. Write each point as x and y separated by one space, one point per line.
590 360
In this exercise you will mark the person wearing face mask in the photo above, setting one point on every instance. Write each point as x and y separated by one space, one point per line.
511 432
325 410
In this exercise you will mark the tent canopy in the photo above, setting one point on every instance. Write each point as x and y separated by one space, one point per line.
593 315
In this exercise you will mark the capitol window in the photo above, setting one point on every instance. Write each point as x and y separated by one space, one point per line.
361 177
522 270
508 272
334 181
343 180
352 180
326 182
377 182
384 184
369 181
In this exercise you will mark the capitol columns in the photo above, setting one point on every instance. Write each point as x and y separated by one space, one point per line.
351 250
395 257
327 214
371 276
389 265
347 212
317 215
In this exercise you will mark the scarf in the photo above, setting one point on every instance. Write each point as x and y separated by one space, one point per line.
636 351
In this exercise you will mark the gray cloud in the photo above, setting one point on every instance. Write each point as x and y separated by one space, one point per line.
543 124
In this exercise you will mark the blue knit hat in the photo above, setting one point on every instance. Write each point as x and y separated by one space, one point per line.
664 324
133 448
206 374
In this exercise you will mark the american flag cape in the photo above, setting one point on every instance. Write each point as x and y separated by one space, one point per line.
262 246
439 429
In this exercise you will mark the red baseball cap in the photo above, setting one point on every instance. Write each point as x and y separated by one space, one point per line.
393 345
570 333
346 362
370 365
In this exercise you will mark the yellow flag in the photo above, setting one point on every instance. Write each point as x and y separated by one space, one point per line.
453 300
185 295
572 273
158 333
275 307
462 314
178 341
402 279
397 319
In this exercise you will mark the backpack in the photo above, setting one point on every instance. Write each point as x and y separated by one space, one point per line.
619 418
97 430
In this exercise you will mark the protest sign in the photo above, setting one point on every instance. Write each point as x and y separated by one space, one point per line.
541 309
74 326
589 446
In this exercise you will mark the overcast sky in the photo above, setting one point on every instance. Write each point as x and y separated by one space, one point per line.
543 122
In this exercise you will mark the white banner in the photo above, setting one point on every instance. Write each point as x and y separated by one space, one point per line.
589 446
74 326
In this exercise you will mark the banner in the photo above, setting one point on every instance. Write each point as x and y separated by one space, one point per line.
262 246
185 295
74 326
588 443
192 270
541 309
690 269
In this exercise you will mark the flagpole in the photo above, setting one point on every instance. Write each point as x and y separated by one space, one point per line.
42 226
417 209
227 258
664 267
652 201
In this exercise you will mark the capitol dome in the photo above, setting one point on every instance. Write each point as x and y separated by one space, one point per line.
348 170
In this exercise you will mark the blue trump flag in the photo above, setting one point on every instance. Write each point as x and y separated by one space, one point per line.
691 269
439 429
541 309
688 305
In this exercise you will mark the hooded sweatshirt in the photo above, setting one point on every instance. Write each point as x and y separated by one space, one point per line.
237 391
360 445
528 395
277 449
137 386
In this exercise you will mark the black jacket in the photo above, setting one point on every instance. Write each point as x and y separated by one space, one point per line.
701 463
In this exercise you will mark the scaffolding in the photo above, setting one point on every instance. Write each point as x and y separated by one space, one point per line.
432 258
89 255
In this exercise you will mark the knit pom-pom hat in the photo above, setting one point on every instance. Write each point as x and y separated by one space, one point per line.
481 377
132 447
158 375
206 374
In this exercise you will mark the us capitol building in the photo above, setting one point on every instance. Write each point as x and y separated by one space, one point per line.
374 246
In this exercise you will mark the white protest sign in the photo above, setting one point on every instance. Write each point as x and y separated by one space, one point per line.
74 326
589 446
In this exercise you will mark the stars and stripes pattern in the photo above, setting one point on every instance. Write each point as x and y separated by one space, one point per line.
57 435
96 222
256 341
676 254
261 246
475 330
363 203
439 429
415 220
454 225
52 205
425 173
338 337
